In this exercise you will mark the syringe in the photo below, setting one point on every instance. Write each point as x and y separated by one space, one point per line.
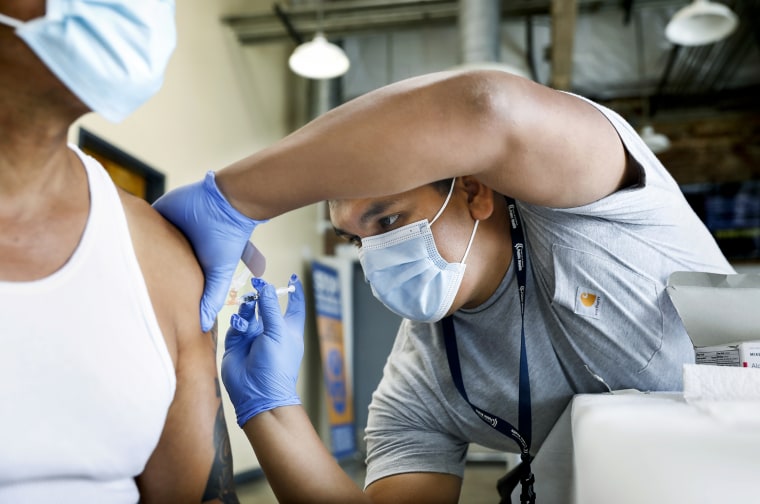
254 295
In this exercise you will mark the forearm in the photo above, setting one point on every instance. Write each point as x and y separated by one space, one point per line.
297 465
385 142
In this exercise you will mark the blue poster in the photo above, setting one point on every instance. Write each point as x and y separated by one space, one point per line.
327 295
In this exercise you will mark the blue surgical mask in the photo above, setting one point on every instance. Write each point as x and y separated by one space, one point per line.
111 54
407 273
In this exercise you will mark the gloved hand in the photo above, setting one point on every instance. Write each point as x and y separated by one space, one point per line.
217 232
262 357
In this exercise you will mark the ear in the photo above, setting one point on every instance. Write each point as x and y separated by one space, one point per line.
479 197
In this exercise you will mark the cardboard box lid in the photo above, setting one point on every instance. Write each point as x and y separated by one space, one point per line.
717 309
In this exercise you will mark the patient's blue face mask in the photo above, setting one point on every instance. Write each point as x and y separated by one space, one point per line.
407 273
110 53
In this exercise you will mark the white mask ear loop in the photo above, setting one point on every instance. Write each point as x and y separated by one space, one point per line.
472 239
448 197
443 207
12 22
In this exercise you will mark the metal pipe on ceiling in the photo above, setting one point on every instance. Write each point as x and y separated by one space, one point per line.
480 31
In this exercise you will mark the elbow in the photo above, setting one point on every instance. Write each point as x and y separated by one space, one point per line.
487 94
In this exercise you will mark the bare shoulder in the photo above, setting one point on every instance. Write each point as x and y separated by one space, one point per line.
171 272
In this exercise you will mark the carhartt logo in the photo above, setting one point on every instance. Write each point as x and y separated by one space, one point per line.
588 303
588 299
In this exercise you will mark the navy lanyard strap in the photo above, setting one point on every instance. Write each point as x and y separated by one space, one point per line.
522 434
519 256
494 421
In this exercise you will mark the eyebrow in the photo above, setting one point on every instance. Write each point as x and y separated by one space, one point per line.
373 211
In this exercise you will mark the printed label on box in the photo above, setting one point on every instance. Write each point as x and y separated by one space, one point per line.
746 354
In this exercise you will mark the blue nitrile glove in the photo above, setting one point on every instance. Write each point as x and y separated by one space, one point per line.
262 356
217 232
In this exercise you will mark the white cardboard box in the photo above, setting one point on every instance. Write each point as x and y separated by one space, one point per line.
721 314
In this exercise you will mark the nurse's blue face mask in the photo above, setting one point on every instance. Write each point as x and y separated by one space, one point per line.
111 54
407 273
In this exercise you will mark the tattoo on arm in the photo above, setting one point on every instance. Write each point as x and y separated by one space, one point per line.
220 486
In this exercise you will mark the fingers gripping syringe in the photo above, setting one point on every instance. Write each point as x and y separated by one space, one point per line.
253 296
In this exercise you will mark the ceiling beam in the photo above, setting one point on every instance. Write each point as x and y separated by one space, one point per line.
343 18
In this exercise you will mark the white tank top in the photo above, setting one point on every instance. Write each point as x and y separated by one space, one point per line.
85 376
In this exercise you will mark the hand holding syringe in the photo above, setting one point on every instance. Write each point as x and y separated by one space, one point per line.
262 356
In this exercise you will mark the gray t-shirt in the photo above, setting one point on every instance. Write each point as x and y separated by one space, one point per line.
595 297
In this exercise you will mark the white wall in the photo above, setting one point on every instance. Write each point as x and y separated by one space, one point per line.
219 102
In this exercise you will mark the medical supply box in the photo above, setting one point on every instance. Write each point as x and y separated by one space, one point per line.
721 314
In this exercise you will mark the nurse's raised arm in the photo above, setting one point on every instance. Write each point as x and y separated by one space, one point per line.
520 138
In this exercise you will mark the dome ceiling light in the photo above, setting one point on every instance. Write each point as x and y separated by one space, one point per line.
319 59
701 22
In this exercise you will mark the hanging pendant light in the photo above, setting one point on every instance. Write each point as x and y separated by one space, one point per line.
701 22
319 59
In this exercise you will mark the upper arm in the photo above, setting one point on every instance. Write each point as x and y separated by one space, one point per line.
520 138
192 461
558 150
414 451
416 488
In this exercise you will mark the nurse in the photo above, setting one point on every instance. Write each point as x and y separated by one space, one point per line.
525 235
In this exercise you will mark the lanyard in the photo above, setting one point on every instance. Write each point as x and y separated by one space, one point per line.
522 434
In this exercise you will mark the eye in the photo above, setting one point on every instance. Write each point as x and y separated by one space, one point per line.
388 221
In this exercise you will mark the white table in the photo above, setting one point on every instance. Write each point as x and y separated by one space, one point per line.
639 448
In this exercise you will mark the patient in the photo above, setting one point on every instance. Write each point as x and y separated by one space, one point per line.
110 390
